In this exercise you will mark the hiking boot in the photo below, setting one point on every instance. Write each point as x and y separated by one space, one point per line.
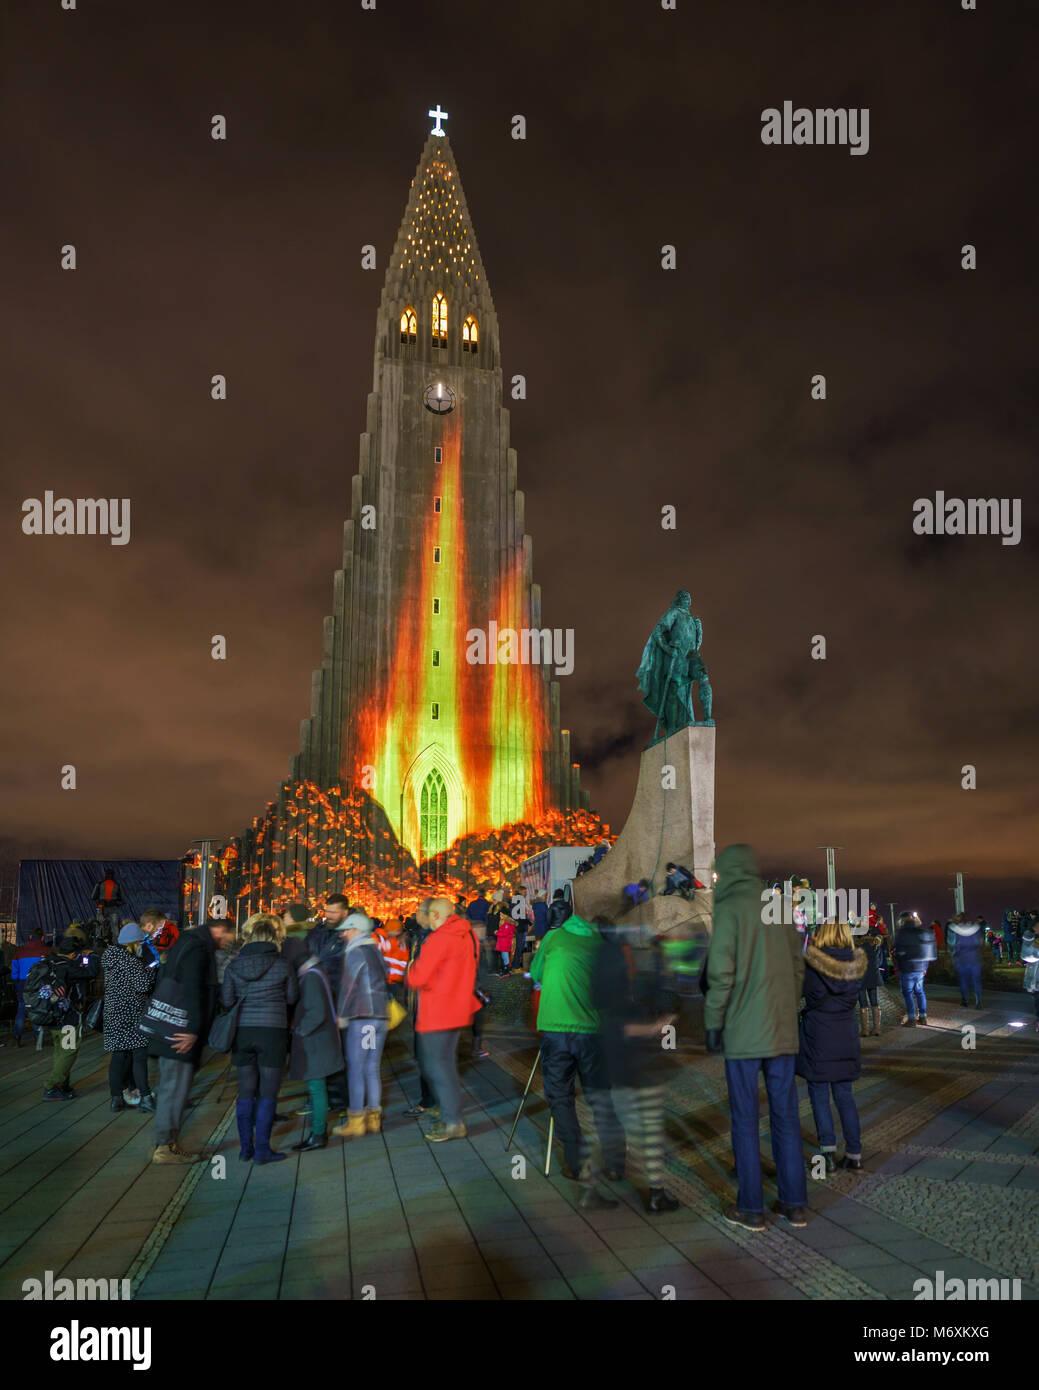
117 1103
147 1105
169 1153
749 1220
853 1165
441 1133
796 1216
56 1093
661 1200
354 1127
908 1023
372 1119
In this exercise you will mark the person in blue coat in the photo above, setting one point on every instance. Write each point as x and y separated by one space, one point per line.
965 942
828 1042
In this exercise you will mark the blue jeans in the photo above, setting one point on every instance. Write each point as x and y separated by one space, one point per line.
741 1077
19 1015
913 992
819 1095
969 977
365 1038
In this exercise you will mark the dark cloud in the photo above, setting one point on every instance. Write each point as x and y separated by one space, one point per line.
645 389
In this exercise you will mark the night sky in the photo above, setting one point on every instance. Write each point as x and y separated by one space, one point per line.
645 388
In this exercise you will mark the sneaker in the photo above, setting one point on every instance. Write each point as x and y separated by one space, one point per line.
921 1022
441 1133
480 1056
56 1093
796 1216
908 1023
853 1165
117 1103
749 1220
147 1104
593 1200
414 1111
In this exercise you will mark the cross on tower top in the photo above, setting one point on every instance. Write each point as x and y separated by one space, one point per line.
438 116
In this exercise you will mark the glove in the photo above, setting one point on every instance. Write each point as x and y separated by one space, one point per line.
714 1040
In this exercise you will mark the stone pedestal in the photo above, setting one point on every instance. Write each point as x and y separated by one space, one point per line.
671 821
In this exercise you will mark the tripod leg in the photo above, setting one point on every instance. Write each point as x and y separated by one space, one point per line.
551 1136
523 1098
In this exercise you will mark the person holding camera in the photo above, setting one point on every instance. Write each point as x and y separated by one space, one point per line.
71 968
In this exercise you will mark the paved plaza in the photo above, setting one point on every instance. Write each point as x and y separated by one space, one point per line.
951 1138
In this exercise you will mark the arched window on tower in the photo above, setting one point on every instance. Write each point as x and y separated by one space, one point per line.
439 321
433 815
408 331
470 335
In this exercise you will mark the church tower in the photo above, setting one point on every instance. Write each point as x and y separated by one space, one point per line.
434 549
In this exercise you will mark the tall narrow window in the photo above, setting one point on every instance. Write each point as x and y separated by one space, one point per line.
439 321
470 334
438 454
436 606
433 815
436 656
436 555
408 326
436 504
434 710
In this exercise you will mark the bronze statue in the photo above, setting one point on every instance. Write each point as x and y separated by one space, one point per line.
671 665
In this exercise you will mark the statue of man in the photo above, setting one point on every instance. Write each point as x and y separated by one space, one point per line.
671 664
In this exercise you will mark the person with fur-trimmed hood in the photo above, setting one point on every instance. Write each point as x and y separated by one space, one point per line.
965 942
828 1037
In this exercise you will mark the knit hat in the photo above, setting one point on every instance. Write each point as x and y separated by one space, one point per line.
130 932
297 911
357 921
497 896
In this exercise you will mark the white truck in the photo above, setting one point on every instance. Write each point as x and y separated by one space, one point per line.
553 868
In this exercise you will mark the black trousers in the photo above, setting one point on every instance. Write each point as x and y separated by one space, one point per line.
565 1058
126 1066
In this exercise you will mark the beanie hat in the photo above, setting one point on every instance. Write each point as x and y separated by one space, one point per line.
358 922
129 932
297 911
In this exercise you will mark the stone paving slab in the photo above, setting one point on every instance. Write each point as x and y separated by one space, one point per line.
952 1141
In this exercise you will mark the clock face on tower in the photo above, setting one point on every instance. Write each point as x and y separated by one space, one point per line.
438 398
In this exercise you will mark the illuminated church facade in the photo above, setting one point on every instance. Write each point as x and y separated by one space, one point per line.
433 549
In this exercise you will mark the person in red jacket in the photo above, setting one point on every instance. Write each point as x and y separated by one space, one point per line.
445 977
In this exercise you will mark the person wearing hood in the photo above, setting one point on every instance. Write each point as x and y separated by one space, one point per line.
1030 960
267 986
361 1010
128 983
828 1044
559 910
754 974
570 1026
914 949
444 977
965 943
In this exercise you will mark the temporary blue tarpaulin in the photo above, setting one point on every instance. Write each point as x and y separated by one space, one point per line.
54 892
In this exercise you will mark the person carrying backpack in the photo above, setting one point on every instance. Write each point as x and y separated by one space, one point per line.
22 962
54 999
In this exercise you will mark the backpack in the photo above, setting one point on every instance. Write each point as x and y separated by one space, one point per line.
46 1002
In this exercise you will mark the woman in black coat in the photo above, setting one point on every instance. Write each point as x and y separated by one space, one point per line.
872 943
828 1052
266 985
317 1050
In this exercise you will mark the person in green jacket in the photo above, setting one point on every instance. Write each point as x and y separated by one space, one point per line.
754 973
571 1048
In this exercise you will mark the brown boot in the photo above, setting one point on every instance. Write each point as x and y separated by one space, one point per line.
863 1030
876 1023
373 1119
354 1127
169 1153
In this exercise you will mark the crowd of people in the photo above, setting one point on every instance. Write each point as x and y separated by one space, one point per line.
312 997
